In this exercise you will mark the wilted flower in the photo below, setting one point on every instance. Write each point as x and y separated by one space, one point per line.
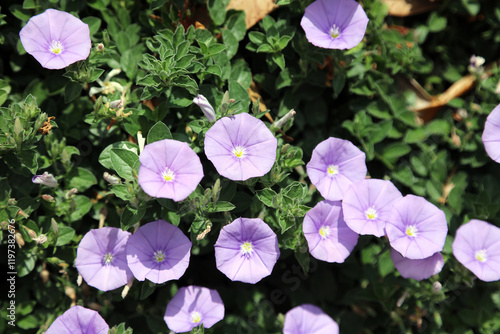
46 179
334 24
246 250
205 106
241 147
367 205
108 86
309 319
491 134
416 228
335 164
169 169
158 251
417 269
328 236
56 39
101 258
477 247
79 320
475 64
193 306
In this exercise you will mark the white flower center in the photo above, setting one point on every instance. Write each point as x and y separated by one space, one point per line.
481 255
195 317
108 258
411 231
159 256
332 170
324 231
168 175
56 47
334 31
246 247
239 152
371 213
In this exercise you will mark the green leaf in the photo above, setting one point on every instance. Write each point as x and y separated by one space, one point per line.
279 59
81 179
94 24
267 196
130 216
159 131
217 10
124 163
82 205
122 191
436 23
25 263
394 151
105 156
222 206
65 235
257 37
72 91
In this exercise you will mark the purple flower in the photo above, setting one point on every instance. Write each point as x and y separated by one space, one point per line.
241 147
334 24
335 164
101 258
416 228
246 250
56 39
491 134
46 179
328 236
169 169
205 106
193 306
309 319
158 251
477 247
417 269
79 320
367 205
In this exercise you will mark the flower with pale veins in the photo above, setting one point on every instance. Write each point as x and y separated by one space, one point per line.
79 320
417 269
491 134
309 319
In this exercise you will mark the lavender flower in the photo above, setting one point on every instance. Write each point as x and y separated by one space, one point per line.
417 269
334 24
309 319
158 251
335 164
205 106
56 39
241 147
79 320
416 228
46 179
193 306
328 236
367 205
246 250
101 258
477 247
169 169
491 134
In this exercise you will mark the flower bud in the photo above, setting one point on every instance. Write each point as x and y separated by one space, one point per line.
71 193
46 179
42 238
112 179
99 47
281 122
116 104
202 102
436 287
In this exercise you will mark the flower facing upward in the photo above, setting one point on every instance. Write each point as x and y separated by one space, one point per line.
328 236
491 134
193 306
56 39
417 269
367 205
416 228
169 169
205 106
246 250
101 258
334 24
46 179
79 320
309 319
477 247
241 147
158 251
334 165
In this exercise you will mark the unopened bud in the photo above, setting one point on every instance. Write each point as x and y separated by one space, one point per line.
70 193
19 239
116 104
285 148
216 191
44 275
281 122
205 106
127 287
12 201
99 47
79 280
42 238
112 179
436 287
46 179
475 64
48 198
31 233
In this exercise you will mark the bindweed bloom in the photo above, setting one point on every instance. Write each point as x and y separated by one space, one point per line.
169 169
416 228
241 147
328 236
158 251
367 205
491 134
193 306
417 269
101 258
246 250
309 319
334 24
205 106
477 247
79 320
335 164
46 179
56 39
